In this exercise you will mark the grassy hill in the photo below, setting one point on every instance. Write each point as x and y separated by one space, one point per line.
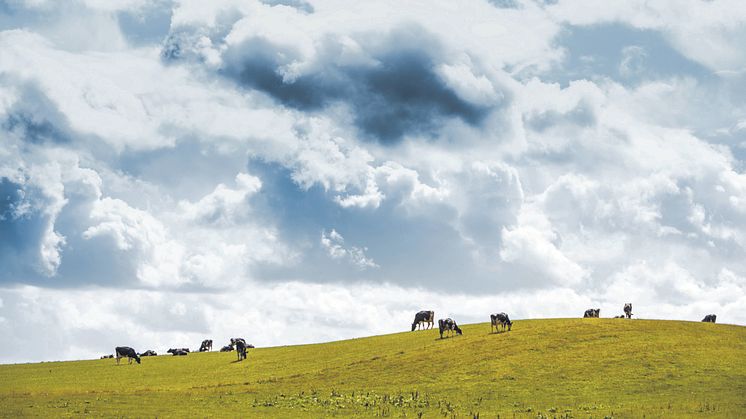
543 368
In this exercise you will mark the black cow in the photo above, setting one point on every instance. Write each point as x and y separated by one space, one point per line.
126 351
502 319
226 348
591 312
206 345
423 317
448 325
107 356
175 350
621 316
710 318
149 352
628 310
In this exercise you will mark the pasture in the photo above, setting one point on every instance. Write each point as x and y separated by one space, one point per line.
563 368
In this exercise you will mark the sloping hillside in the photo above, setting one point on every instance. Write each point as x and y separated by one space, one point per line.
554 368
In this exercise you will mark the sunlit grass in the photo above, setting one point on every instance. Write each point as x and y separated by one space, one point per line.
551 368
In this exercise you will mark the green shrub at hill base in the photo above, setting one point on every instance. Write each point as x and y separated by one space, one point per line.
542 368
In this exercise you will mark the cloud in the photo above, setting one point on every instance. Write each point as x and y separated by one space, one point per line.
534 158
333 243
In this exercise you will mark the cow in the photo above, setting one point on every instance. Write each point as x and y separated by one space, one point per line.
126 351
620 316
226 348
628 310
448 325
502 319
241 349
710 318
107 356
206 345
234 341
591 312
423 317
175 350
149 352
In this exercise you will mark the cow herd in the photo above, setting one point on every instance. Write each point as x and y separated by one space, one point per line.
237 344
422 320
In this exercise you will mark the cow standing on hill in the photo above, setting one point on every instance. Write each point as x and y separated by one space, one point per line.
241 349
206 345
592 312
710 318
628 310
449 326
423 317
126 351
501 319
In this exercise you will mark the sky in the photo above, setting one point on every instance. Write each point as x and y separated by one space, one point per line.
296 171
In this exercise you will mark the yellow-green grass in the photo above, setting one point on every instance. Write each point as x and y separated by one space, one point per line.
543 368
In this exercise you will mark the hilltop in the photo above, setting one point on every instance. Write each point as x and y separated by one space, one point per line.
542 368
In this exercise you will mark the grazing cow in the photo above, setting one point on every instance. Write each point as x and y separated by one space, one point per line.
502 319
149 352
126 351
241 349
206 345
710 318
226 348
423 317
628 310
448 325
590 313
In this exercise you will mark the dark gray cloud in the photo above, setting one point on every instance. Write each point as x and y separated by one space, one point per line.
35 118
400 94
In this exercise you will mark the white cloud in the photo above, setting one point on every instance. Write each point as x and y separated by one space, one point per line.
333 243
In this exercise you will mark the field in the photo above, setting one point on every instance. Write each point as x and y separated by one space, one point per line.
560 368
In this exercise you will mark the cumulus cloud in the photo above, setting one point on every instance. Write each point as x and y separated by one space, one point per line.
546 157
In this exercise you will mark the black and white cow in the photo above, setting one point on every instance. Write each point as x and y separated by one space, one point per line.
226 348
449 326
149 352
501 319
107 356
126 351
710 318
628 310
241 349
423 317
621 316
592 312
179 350
206 345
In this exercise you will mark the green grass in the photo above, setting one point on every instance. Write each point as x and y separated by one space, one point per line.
543 368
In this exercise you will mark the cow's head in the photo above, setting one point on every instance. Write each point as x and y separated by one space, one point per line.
414 326
137 358
510 326
458 330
